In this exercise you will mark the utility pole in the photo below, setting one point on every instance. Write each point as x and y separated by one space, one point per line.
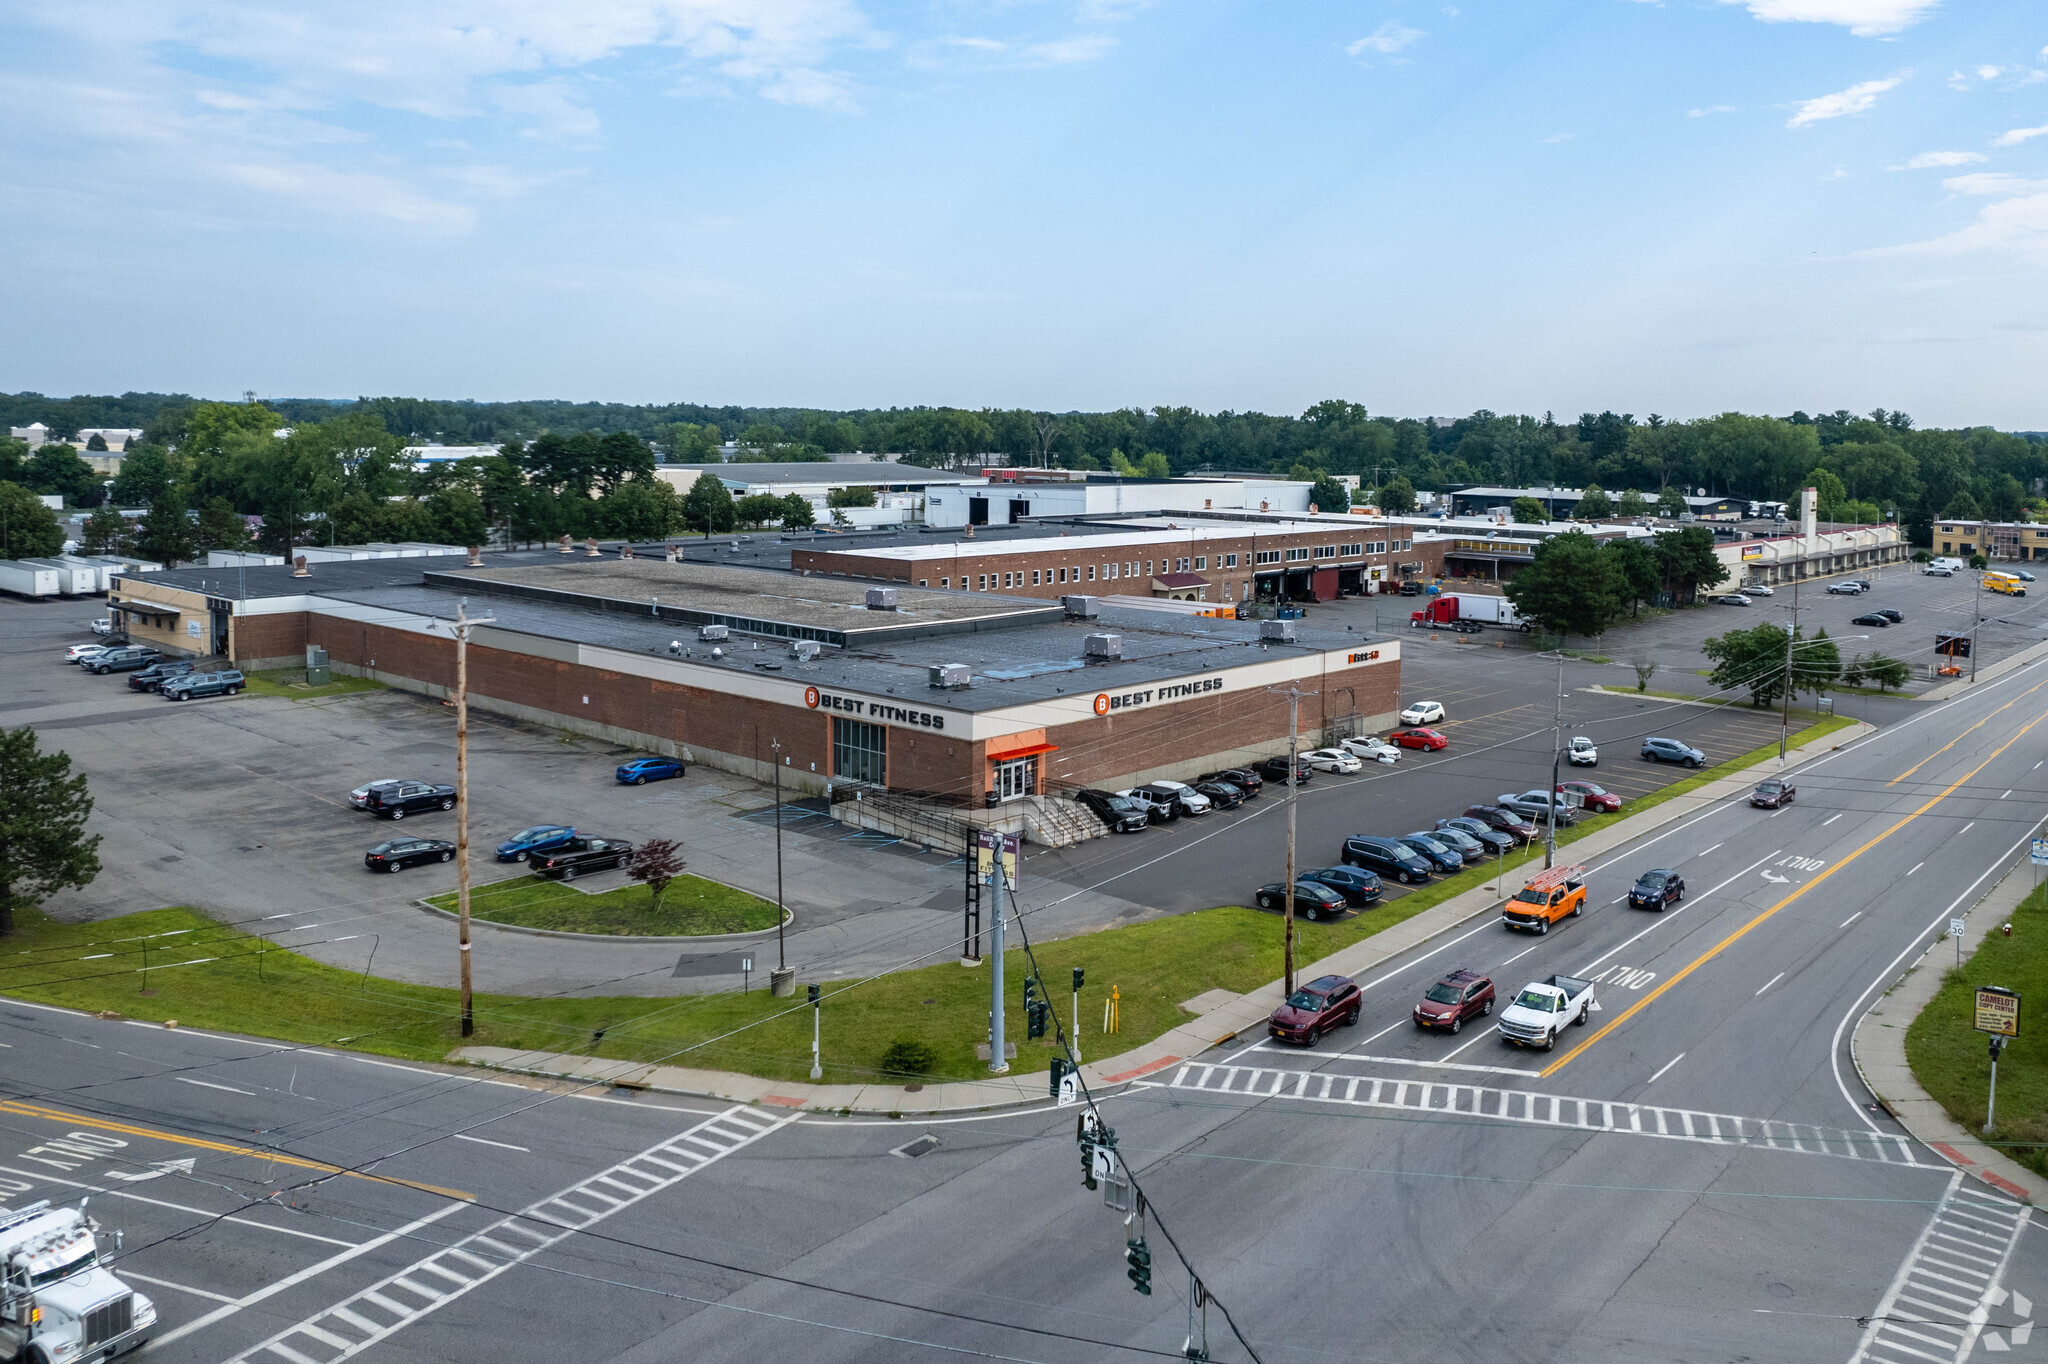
1293 695
1556 755
1974 623
1785 720
463 625
998 1063
781 960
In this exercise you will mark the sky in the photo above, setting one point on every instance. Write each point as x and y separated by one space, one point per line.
1682 207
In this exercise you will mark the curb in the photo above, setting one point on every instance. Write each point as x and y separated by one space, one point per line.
1990 674
788 917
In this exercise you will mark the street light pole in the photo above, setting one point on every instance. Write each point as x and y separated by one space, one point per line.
781 960
1293 695
463 625
1785 720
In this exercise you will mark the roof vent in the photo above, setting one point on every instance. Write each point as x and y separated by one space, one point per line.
951 676
1277 631
1104 646
805 649
713 632
881 599
1083 608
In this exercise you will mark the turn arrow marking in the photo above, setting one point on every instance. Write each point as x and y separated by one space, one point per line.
1773 876
159 1170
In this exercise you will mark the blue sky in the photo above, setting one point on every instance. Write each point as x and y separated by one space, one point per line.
1681 207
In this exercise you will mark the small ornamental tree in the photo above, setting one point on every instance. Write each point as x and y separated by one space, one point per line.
43 809
657 862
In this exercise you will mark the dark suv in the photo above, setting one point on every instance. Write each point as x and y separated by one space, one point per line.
1315 1008
1121 815
1440 855
1243 778
1386 857
1459 996
1503 821
1358 887
156 674
400 799
1275 769
1656 889
224 683
123 660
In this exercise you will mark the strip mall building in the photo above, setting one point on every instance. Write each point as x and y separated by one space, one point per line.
961 695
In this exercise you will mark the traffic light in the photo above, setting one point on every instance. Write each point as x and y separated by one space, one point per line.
1077 980
1035 1013
1084 1133
1140 1261
814 996
1059 1073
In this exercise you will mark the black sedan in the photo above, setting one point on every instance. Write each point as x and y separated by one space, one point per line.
1275 769
394 853
1656 889
1243 778
1121 814
1222 795
1357 885
1312 899
1874 618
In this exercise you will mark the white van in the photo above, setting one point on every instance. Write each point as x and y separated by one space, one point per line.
1944 568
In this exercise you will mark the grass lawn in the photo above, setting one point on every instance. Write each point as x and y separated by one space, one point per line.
1953 1061
291 684
692 905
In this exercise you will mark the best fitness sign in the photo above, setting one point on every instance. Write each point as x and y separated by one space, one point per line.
1108 703
868 708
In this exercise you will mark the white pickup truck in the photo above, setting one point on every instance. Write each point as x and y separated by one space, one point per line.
1544 1008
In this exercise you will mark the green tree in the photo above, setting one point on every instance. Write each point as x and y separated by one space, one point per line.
220 527
796 512
146 471
13 455
458 515
165 533
1632 504
58 469
757 509
857 495
96 443
1963 507
1886 672
1527 511
1671 502
1329 495
43 808
643 509
1687 560
28 529
1154 465
1572 586
1642 575
1593 503
1816 663
106 531
1397 496
707 507
1752 659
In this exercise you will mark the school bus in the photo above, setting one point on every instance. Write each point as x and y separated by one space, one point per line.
2006 583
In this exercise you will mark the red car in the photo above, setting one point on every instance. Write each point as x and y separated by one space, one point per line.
1315 1008
1773 794
1591 796
1455 998
1421 738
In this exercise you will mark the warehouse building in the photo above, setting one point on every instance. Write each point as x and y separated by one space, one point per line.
1008 502
965 697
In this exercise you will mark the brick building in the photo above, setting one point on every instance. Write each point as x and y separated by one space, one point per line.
614 648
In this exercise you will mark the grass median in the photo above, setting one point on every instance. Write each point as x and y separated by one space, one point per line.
1952 1060
291 684
691 906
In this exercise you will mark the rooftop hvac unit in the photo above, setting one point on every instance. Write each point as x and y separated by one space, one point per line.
881 599
951 676
806 649
1277 631
713 632
1104 646
1087 608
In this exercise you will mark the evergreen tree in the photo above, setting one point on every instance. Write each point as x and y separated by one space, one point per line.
43 809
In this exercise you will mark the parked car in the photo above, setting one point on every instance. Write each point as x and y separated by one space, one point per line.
360 797
1243 778
1158 807
1312 899
1357 886
1459 996
580 855
1333 760
1934 571
1591 797
1772 794
1275 769
156 674
1495 840
1322 1004
1192 802
539 838
1121 815
1425 739
1672 751
1734 599
403 798
1656 889
1441 856
103 626
1860 584
407 852
643 770
1873 618
1386 857
1502 821
1222 795
1541 806
2021 574
1845 589
1895 617
1580 752
1372 750
1467 845
123 660
184 687
1758 590
78 653
1423 713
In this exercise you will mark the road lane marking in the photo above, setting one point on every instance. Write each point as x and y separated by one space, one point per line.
1521 954
1772 981
1857 915
483 1141
1436 1065
1916 867
1939 1270
1666 1066
128 1273
1830 819
232 1219
1736 936
1462 1046
1375 1037
1966 734
1698 855
208 1084
1666 916
2008 791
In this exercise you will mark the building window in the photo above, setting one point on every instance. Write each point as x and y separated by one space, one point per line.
1294 554
1230 561
921 582
1063 575
946 582
1017 777
981 582
1091 573
1326 551
1034 577
1201 562
860 751
1267 556
1353 551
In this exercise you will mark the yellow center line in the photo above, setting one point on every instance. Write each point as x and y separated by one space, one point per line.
1965 734
107 1125
1728 941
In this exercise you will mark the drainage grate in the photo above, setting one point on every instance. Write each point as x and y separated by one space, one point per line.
911 1150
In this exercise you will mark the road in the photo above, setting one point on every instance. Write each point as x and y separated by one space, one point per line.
1693 1176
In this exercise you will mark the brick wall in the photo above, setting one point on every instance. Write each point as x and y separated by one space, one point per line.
275 641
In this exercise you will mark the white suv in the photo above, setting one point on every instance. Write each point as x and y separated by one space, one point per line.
1170 799
1581 753
1423 713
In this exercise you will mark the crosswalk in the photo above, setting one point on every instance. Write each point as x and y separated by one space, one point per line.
1940 1307
390 1305
1544 1110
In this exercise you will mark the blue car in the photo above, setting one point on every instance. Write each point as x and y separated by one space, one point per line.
540 838
649 769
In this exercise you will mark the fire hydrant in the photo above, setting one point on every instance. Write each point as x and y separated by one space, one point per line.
2008 930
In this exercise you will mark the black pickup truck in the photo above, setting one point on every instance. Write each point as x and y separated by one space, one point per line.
579 855
403 798
156 674
122 660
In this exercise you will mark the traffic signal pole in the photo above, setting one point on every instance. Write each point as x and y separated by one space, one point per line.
998 1064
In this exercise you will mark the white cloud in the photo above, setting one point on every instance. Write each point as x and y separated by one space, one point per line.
1864 18
1710 110
1843 103
1992 184
1987 73
2015 136
1929 160
1556 138
1391 37
1083 47
2018 225
978 44
551 112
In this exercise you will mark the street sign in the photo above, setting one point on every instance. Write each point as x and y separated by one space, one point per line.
1998 1011
1105 1163
1955 928
2040 856
1070 1090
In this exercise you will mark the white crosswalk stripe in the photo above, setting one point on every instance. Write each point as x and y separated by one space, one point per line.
1545 1110
355 1324
1941 1303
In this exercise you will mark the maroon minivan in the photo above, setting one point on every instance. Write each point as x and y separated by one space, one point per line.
1315 1008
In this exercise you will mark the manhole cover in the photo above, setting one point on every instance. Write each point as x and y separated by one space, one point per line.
911 1150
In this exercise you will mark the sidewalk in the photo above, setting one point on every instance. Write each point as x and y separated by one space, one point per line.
1223 1019
1878 1047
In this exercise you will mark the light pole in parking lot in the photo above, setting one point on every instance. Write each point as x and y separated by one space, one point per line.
462 627
1293 695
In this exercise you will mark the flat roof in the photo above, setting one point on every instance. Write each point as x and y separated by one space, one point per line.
1096 536
825 471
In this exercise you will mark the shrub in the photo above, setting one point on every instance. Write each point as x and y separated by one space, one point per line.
909 1059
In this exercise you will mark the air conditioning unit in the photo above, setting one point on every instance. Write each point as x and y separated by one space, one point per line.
805 649
1084 608
711 632
1104 646
1277 631
951 676
881 599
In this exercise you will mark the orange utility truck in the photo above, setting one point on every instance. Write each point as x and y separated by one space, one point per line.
1548 897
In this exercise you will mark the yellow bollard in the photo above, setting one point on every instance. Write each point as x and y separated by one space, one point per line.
1112 1012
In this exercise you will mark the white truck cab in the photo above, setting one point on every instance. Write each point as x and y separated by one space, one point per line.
57 1304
